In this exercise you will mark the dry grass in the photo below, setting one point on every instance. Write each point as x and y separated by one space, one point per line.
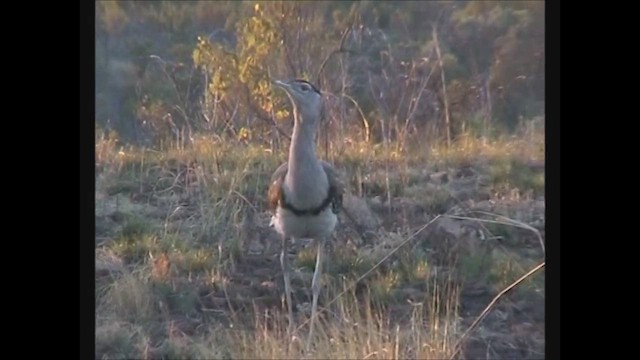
177 277
360 328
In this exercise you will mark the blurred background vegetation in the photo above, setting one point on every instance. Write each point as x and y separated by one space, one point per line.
391 71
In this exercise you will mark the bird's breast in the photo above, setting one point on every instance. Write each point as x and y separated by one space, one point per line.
307 226
306 189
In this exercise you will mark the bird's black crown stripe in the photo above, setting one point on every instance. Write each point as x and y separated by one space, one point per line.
308 83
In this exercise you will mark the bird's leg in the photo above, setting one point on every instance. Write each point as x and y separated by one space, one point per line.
286 271
315 287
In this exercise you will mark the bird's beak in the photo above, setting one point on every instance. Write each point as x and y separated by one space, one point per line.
281 84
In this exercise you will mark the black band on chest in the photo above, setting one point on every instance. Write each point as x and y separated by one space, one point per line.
313 211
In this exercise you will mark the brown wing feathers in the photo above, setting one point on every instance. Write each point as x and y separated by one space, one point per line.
275 195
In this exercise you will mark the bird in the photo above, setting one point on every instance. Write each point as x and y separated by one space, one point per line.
305 194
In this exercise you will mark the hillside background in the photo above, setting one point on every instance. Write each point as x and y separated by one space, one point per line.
163 68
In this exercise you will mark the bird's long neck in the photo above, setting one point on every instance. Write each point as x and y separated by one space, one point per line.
305 178
303 141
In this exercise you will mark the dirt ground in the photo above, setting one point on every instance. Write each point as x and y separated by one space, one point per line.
371 228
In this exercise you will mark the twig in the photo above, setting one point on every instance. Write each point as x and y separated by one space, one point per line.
245 200
365 122
261 115
226 296
340 49
444 87
517 224
504 221
484 312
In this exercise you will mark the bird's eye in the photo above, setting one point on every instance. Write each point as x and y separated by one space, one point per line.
304 88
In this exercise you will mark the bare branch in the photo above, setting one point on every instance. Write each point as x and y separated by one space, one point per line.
262 115
340 49
484 312
365 122
444 88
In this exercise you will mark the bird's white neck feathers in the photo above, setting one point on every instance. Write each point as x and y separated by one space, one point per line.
306 183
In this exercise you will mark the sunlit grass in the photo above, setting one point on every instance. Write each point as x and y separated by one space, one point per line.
174 215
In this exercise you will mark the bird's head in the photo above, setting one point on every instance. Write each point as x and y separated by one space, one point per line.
305 97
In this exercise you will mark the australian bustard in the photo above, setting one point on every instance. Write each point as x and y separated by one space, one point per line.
305 194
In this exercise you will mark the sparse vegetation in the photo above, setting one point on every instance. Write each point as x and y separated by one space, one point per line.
211 284
186 264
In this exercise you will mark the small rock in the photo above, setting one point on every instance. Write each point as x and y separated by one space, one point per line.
440 177
268 284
